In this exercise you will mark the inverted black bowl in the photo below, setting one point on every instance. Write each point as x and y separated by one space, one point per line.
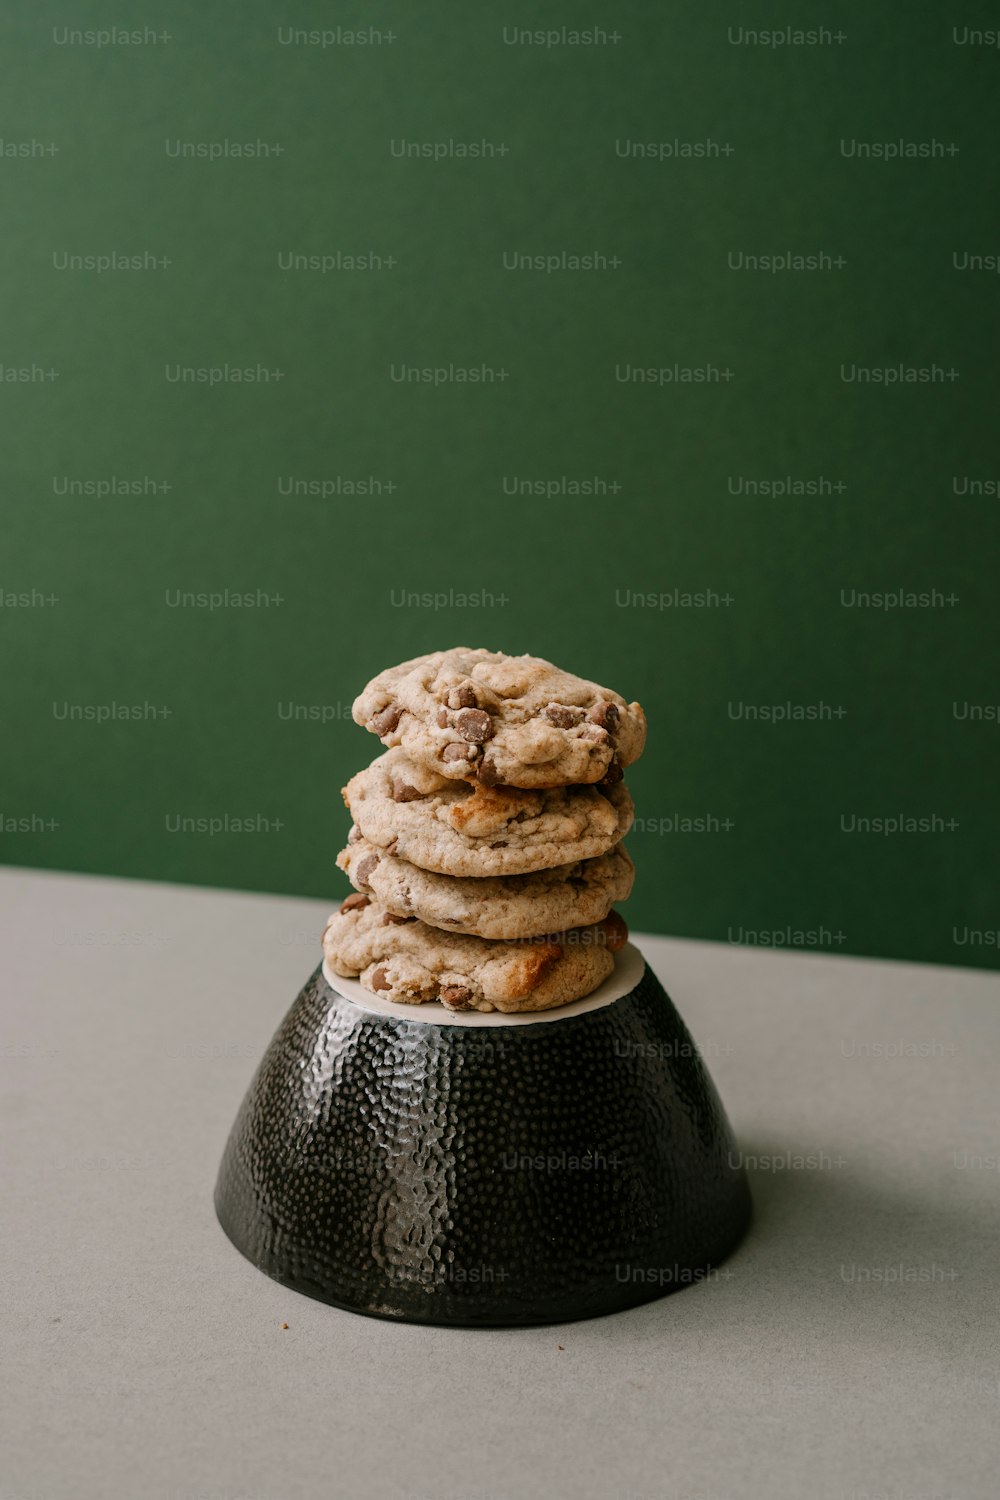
528 1170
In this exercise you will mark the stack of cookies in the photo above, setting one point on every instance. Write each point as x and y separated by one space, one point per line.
485 850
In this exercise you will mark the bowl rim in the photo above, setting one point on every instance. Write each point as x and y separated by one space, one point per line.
628 971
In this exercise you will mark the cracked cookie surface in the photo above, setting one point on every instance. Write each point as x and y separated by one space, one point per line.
478 715
456 828
407 961
501 906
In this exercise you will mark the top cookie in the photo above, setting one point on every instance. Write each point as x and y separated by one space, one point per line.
475 715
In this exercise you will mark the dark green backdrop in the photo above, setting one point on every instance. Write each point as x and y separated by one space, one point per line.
748 826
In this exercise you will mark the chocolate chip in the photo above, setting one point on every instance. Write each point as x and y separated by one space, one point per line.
487 773
354 835
614 931
606 714
456 996
562 717
365 869
443 718
391 920
613 774
456 751
463 697
474 725
403 792
356 902
597 735
385 721
380 979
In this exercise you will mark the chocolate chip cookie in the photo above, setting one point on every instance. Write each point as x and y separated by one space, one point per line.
456 828
511 906
476 715
405 960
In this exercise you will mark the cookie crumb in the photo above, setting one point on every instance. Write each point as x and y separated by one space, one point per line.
284 1325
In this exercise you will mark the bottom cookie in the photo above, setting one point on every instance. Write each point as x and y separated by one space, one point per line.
408 961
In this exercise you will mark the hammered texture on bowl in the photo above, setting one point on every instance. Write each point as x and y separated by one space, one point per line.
510 1175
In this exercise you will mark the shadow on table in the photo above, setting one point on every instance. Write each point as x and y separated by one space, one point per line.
834 1247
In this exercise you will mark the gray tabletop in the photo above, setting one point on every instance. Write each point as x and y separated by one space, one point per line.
849 1349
